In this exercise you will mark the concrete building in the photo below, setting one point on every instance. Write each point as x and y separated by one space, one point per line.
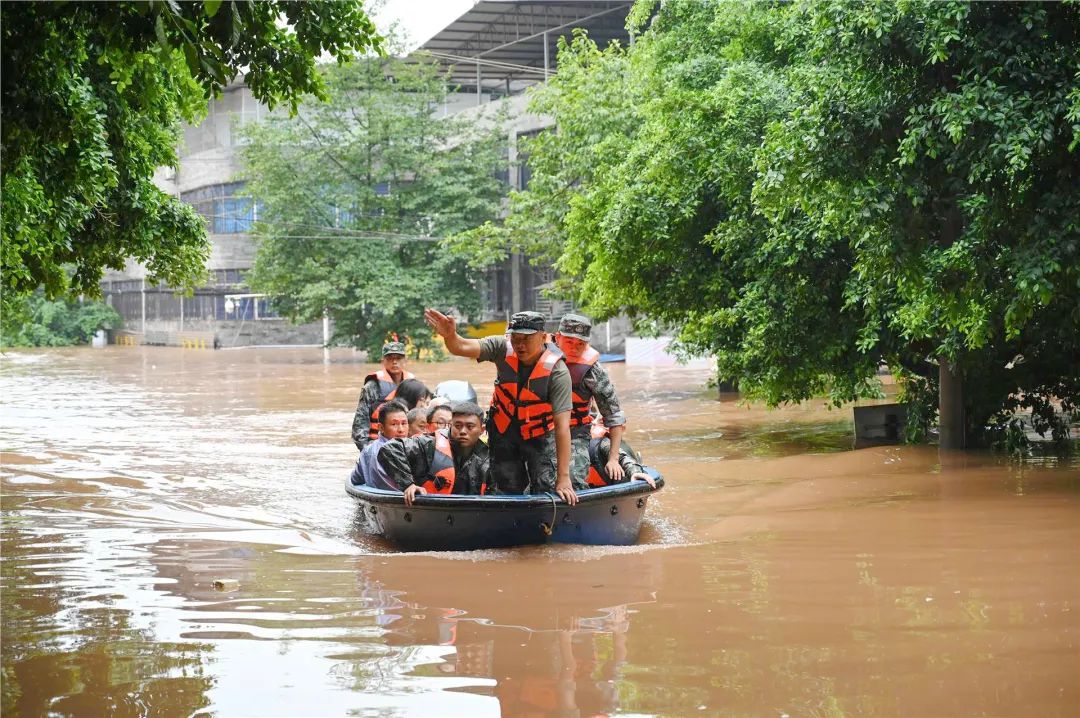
225 307
493 53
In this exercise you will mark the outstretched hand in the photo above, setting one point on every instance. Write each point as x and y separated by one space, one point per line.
642 476
443 325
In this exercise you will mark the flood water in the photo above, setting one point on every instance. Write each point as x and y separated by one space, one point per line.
781 572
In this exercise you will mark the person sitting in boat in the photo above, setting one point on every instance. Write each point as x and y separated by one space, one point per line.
438 417
417 421
378 388
393 424
590 382
529 422
413 393
450 461
600 447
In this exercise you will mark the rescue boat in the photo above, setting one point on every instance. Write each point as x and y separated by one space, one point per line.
608 515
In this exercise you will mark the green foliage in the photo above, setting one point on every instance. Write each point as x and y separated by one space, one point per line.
40 322
805 190
352 193
93 94
594 110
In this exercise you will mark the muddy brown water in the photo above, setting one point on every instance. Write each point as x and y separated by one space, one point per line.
780 573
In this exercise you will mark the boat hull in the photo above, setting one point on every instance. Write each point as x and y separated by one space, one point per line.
610 515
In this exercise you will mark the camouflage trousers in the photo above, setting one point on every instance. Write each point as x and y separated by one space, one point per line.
579 460
519 466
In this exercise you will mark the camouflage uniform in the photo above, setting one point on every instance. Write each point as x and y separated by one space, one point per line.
509 453
408 461
361 423
627 459
595 383
370 400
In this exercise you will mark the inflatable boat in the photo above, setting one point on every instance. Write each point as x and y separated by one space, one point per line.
610 515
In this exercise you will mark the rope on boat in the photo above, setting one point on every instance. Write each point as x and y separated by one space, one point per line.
548 528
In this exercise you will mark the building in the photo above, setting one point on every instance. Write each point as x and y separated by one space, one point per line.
493 53
225 307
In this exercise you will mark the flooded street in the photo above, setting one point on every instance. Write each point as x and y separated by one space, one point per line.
780 573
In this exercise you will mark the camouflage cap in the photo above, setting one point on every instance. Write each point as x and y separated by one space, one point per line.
393 348
576 326
526 323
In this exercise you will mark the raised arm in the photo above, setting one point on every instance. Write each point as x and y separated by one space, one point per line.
446 327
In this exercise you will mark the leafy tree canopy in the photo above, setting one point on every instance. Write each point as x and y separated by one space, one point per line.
805 190
352 192
41 322
93 93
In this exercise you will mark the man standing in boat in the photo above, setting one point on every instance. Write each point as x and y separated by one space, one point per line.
378 388
529 421
590 381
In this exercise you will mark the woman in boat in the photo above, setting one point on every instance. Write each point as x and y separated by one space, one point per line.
414 394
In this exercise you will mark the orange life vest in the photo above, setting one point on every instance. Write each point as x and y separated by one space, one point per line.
529 403
442 467
582 397
387 391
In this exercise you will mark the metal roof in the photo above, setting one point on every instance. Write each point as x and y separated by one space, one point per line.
506 39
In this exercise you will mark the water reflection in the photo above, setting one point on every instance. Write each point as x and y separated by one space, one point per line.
780 571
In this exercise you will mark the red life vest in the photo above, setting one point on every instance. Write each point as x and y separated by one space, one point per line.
582 397
596 434
529 403
442 467
387 391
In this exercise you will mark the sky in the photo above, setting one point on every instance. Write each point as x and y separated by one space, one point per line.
420 19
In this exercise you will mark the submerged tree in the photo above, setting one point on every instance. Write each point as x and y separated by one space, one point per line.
811 189
93 94
352 193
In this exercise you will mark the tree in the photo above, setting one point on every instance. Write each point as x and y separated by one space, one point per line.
93 94
595 108
352 193
57 323
811 189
